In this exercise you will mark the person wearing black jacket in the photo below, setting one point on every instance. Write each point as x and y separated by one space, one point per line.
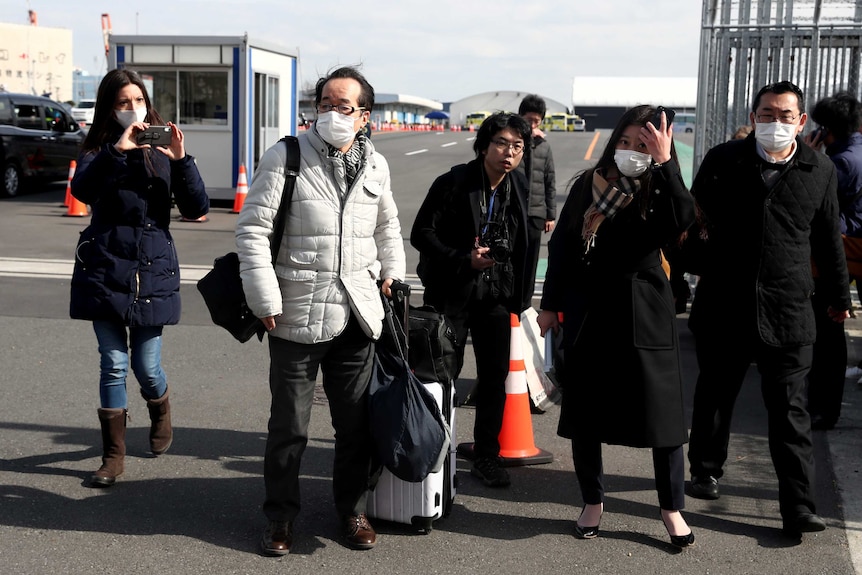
471 235
839 117
605 276
770 209
538 166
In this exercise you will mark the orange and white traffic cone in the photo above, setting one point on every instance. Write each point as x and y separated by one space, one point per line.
516 434
72 166
77 208
241 190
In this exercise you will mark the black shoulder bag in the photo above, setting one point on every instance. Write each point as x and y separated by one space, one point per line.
222 289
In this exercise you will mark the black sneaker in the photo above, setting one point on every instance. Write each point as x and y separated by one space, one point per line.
489 471
704 487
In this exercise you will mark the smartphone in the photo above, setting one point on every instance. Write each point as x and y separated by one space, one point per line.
656 119
155 136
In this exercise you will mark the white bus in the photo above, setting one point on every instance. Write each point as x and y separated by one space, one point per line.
683 122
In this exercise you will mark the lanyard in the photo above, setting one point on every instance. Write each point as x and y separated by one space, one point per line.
490 214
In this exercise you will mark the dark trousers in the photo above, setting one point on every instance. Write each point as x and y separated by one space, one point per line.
723 365
826 379
535 228
490 329
346 362
668 464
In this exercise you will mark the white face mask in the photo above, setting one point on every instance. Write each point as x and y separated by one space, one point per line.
335 128
128 117
632 164
775 136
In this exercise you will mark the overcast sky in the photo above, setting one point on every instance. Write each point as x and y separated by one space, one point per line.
439 49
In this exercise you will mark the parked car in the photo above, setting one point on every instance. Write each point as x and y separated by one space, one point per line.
38 141
83 112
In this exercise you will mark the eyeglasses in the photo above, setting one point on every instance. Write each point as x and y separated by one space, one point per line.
340 108
503 145
769 118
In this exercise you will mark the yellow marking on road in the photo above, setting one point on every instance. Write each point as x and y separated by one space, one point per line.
589 153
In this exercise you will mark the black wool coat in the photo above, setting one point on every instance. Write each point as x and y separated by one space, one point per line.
623 375
756 269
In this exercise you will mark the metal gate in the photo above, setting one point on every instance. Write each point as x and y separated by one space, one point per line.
746 44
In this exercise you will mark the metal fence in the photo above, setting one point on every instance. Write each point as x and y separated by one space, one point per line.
746 44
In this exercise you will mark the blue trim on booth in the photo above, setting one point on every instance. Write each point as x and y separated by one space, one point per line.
235 127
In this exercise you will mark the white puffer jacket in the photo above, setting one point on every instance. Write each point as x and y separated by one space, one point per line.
333 250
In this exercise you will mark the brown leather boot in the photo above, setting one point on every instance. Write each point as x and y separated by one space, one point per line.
113 447
161 434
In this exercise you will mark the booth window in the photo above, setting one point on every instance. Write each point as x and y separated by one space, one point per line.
203 98
272 102
191 97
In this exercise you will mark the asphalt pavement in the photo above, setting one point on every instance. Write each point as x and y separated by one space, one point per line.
197 508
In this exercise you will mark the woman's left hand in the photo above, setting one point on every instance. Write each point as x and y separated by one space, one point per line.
658 141
176 150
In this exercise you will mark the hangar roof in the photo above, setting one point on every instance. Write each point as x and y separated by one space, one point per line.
628 92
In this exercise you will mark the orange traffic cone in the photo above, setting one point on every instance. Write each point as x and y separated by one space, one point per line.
77 208
72 166
516 434
241 190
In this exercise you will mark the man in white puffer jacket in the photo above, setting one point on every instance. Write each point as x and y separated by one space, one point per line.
320 304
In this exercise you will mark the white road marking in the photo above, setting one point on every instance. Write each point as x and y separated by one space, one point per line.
416 152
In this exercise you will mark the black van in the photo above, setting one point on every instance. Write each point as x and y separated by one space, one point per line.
38 140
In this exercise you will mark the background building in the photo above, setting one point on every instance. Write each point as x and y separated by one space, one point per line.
501 101
36 60
600 101
232 97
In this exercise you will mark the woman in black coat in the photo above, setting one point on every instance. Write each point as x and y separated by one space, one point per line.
127 277
605 276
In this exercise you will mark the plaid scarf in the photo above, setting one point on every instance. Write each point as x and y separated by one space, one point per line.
607 201
352 158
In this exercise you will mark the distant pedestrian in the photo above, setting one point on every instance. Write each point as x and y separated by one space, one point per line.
770 209
538 166
605 275
741 132
127 278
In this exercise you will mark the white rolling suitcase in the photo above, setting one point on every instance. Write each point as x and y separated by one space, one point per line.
422 503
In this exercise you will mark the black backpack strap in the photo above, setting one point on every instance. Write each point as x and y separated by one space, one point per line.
291 171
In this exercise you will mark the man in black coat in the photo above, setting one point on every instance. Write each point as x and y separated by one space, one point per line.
472 240
771 209
538 166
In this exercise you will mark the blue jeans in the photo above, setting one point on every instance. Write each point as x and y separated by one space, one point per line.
145 344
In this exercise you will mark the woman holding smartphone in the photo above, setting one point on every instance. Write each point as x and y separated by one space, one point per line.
127 278
624 382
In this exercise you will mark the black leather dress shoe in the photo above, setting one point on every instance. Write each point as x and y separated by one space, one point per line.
704 487
277 539
358 532
803 523
820 423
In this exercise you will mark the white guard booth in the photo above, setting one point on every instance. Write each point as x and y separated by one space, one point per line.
231 97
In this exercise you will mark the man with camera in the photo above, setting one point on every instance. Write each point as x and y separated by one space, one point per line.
471 233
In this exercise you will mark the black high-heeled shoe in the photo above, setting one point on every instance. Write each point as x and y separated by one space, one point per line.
680 541
587 532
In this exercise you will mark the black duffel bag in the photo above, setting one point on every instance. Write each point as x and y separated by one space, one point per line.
222 291
221 287
433 351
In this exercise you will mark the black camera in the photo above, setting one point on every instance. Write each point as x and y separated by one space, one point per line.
495 238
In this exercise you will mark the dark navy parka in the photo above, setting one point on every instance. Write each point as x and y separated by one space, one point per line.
126 267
